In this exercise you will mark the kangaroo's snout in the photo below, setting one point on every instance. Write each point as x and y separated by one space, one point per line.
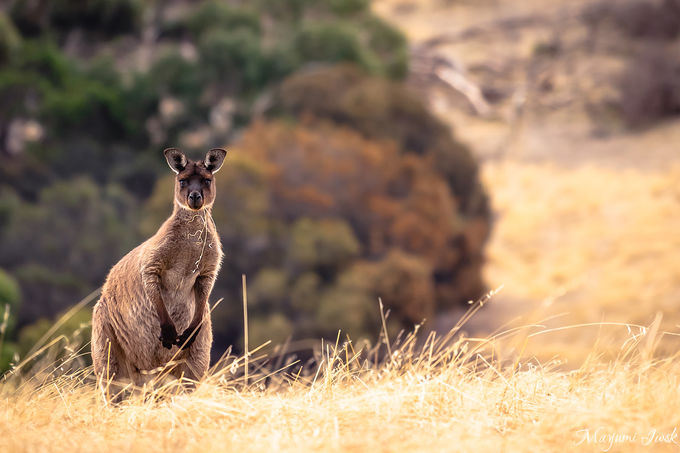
195 200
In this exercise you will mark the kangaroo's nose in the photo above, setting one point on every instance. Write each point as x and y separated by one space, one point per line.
195 196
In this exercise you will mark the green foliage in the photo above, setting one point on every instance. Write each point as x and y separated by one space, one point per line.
10 298
76 329
279 61
270 286
64 244
94 106
322 245
275 328
296 9
285 10
405 282
173 75
81 108
102 18
7 356
348 7
9 39
46 60
333 42
9 291
77 100
348 306
232 57
216 15
304 294
390 46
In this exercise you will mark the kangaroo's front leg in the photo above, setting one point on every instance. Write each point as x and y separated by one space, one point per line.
151 279
202 289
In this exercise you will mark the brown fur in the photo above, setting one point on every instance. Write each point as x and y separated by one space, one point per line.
160 290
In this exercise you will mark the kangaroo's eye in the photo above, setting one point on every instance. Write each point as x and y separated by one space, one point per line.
182 182
207 182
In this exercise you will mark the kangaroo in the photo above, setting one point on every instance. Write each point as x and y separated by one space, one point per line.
162 287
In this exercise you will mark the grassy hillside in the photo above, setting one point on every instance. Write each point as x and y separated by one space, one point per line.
440 395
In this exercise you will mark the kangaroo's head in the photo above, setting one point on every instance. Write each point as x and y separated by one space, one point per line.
194 184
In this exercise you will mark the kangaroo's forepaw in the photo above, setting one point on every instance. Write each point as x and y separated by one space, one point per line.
187 337
168 335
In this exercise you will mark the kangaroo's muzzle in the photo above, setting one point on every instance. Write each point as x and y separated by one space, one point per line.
195 200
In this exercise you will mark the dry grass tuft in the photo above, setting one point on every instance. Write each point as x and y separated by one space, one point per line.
440 394
584 244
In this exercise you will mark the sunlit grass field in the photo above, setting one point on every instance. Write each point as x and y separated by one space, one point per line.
439 395
449 393
586 244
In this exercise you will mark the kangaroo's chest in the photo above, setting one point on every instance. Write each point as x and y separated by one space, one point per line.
196 254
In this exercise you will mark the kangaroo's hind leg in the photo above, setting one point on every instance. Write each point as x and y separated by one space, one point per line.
108 358
195 360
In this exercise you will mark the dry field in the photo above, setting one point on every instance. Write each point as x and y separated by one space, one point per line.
442 395
576 352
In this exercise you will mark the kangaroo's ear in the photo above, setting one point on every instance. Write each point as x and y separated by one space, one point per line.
176 159
214 159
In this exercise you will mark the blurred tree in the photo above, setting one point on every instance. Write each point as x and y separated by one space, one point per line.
333 42
10 299
349 190
61 247
405 284
389 45
216 15
269 287
9 39
384 110
348 7
349 306
323 246
232 59
304 295
99 18
274 327
322 171
77 330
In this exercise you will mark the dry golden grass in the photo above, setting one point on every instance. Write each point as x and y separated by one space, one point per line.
447 394
611 233
584 244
